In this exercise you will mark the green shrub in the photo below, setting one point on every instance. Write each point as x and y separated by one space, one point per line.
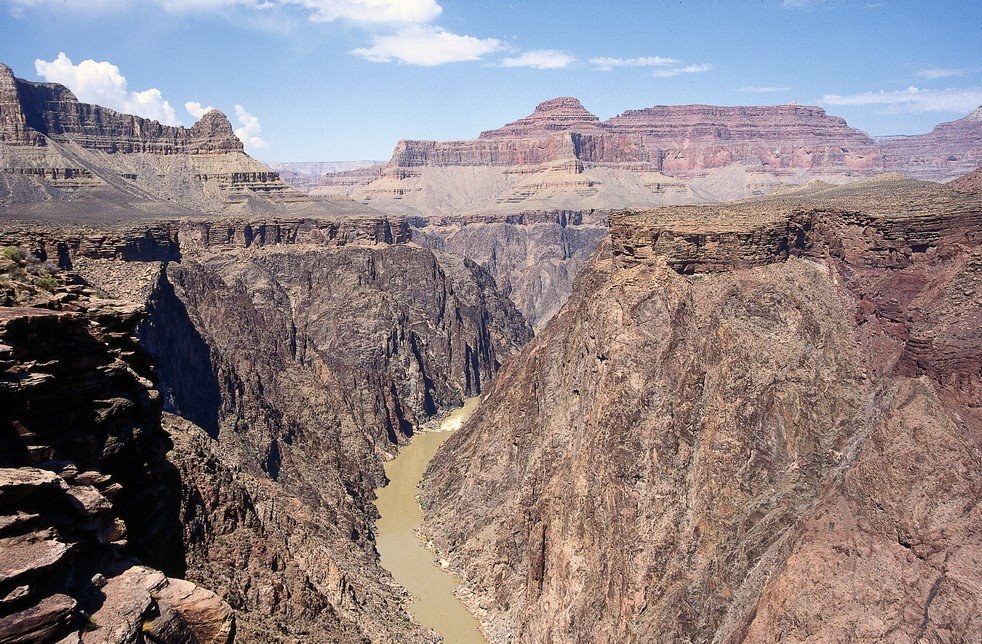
47 283
14 253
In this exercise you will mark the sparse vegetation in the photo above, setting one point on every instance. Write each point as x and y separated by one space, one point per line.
14 253
24 278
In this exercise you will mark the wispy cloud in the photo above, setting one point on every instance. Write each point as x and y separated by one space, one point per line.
940 72
427 45
540 59
605 63
250 129
676 71
767 89
913 99
660 66
102 83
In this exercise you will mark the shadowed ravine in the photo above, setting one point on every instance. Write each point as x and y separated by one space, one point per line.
434 604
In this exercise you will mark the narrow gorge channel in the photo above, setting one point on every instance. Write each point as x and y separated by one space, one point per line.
433 604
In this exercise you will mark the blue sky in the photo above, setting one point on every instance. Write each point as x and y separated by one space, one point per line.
346 79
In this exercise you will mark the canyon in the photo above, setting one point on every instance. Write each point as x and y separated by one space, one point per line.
699 419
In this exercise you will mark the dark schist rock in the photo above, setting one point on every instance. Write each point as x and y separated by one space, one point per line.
85 488
307 366
295 356
726 437
533 256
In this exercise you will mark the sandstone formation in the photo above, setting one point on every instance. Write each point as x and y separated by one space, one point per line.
85 488
563 157
62 159
751 422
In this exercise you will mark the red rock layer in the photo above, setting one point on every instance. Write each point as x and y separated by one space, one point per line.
681 139
557 115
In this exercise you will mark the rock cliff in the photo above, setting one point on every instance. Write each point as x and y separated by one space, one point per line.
951 149
561 155
532 256
60 159
751 422
86 493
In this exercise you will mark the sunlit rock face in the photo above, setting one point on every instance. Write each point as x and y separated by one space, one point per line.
751 422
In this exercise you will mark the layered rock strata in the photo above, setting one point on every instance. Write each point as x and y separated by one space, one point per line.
85 489
949 150
660 155
61 158
752 422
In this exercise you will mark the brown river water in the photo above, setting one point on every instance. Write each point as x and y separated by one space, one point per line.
433 604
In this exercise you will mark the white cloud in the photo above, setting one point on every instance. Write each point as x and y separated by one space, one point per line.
195 109
688 69
940 72
418 11
797 4
769 89
540 59
661 67
426 45
102 83
359 11
914 99
605 63
250 130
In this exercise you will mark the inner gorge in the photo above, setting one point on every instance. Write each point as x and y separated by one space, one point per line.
399 544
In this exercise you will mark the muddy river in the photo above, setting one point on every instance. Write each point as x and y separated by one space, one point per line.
403 554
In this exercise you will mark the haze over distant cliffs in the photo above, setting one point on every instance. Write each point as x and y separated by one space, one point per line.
562 156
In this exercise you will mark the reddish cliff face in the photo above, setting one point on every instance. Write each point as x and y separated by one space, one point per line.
674 139
691 140
562 114
951 149
781 446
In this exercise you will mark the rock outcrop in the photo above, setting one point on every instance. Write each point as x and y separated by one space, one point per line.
36 113
751 422
563 157
85 488
63 159
307 366
532 256
951 149
971 182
